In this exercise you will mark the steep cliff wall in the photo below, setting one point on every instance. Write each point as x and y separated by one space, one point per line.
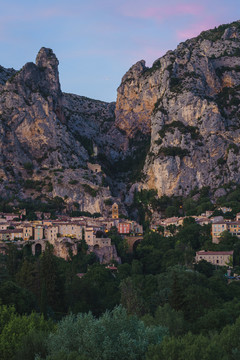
48 137
194 117
186 105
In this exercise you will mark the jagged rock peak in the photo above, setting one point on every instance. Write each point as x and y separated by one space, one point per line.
46 58
134 72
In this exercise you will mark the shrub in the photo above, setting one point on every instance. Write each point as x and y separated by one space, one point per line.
174 151
234 148
28 166
108 201
90 190
221 161
73 182
184 129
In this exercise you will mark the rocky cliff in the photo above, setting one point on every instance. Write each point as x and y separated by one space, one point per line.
189 101
175 126
48 138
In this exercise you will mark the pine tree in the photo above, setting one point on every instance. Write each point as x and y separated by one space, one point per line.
176 298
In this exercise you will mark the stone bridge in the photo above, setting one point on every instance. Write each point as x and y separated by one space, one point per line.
37 246
133 241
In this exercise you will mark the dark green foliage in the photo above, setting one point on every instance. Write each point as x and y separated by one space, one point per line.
205 268
176 296
51 284
131 166
175 84
216 33
221 161
33 184
173 151
90 190
96 291
12 294
234 148
34 342
228 102
115 335
108 202
120 243
85 142
171 211
217 346
15 329
156 66
78 213
73 182
157 105
184 129
28 166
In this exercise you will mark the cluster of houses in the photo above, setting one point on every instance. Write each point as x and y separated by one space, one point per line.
218 225
64 232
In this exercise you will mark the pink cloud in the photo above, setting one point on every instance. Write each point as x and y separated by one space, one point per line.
196 29
161 12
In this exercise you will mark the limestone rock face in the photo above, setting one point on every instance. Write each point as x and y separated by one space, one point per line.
175 126
48 137
106 254
189 102
135 101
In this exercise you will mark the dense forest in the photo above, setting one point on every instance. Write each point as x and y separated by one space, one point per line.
159 304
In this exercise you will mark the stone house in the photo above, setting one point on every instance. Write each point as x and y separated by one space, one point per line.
225 209
124 227
220 258
95 168
92 240
27 232
51 233
233 227
11 234
38 232
10 217
217 229
70 230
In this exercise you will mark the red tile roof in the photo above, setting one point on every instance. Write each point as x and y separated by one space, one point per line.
215 252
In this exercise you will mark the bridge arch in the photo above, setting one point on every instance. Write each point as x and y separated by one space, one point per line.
38 247
133 242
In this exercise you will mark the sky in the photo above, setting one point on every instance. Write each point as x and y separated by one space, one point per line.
97 41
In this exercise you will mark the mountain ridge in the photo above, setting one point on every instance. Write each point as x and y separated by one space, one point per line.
177 124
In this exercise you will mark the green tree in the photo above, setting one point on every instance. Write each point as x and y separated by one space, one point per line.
22 299
51 282
114 335
13 256
96 291
130 297
15 327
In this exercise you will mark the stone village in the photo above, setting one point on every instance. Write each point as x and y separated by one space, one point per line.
65 232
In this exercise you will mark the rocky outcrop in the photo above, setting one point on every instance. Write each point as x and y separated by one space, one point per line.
177 124
48 137
194 118
136 98
106 254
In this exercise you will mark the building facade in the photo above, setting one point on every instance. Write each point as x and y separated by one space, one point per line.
220 258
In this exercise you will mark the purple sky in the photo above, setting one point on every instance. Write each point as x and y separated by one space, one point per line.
97 41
